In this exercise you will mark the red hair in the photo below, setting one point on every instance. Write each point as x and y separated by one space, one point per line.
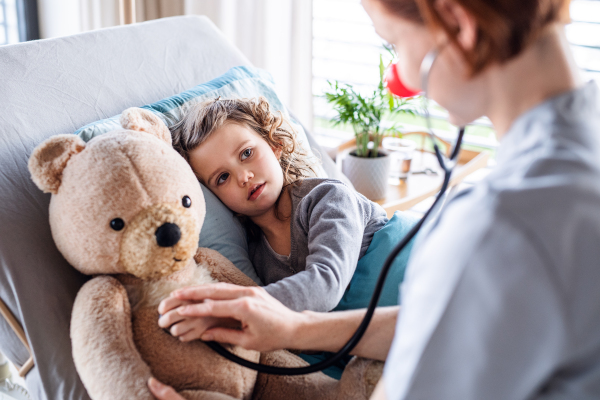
505 27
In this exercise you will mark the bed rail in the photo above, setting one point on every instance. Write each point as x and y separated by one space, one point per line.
16 327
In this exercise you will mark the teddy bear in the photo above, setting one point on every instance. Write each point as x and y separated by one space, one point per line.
127 209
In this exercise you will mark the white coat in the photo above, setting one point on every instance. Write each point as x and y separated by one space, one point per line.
502 294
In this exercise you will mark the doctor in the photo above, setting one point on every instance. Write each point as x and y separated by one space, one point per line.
502 295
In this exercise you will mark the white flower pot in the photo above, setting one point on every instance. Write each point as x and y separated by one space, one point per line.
368 175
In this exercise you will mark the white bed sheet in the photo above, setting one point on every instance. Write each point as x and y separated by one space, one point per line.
55 86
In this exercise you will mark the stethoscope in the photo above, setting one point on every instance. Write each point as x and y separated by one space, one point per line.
447 165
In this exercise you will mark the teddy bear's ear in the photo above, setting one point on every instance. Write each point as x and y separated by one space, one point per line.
49 159
138 119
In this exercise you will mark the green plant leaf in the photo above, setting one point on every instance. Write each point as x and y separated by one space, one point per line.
366 113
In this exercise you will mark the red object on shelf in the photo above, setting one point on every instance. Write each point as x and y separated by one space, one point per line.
395 85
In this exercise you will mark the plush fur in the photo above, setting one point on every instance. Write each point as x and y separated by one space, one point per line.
50 159
134 176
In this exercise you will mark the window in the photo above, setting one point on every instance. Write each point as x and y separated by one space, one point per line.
18 21
346 48
584 35
9 32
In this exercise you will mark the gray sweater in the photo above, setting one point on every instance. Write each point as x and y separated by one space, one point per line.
331 228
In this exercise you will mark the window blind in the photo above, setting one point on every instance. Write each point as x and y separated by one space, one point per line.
3 24
346 48
8 22
18 21
583 33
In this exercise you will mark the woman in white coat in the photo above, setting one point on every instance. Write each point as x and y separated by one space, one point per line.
502 297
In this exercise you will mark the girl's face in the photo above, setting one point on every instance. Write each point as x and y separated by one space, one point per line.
450 83
240 167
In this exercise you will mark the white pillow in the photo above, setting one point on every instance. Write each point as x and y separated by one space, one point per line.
221 230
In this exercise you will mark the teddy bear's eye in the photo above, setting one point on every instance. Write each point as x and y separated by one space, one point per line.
117 224
186 201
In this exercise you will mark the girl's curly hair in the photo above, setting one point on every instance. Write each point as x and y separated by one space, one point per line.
204 118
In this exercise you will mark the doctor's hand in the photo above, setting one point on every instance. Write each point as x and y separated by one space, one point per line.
261 322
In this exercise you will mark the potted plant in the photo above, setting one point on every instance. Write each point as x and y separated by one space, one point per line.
367 165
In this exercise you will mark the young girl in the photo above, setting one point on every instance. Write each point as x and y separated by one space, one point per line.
306 235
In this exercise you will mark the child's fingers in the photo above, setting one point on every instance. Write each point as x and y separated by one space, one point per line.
182 328
170 318
224 335
169 304
217 291
194 328
220 308
197 324
162 391
189 336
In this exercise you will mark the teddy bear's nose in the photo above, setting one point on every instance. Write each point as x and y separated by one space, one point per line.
167 235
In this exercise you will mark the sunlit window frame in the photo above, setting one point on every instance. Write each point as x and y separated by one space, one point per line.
4 23
436 112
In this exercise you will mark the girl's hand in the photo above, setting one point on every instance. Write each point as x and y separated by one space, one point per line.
264 323
188 328
162 391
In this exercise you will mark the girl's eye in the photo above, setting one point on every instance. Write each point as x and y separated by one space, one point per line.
222 178
246 153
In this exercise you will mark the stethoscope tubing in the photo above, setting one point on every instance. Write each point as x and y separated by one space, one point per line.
362 328
447 164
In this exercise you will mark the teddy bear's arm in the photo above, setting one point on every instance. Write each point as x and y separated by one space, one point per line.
221 268
358 380
105 355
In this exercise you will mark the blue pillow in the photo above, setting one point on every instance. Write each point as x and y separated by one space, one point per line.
221 230
359 291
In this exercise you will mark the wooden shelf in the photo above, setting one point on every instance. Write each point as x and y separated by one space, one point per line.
403 194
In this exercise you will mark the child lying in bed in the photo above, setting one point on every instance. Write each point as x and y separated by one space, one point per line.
306 235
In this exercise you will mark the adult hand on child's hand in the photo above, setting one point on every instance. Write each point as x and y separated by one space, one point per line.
162 391
188 328
264 323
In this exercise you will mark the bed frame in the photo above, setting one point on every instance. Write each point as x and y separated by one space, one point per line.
56 86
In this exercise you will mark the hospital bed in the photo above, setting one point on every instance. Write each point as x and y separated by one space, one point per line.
56 86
